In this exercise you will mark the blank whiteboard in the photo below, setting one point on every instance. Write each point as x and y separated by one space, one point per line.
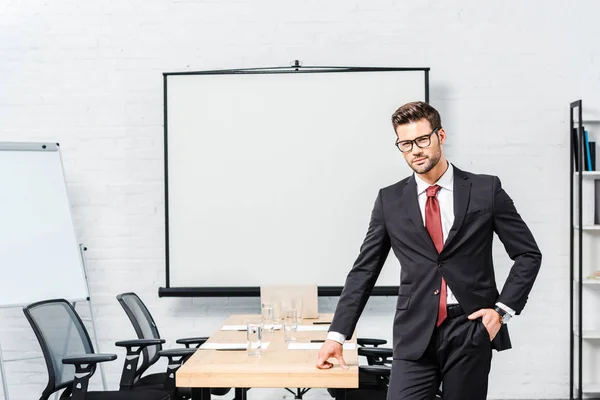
271 177
40 255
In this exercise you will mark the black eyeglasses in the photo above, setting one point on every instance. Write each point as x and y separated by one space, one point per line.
422 141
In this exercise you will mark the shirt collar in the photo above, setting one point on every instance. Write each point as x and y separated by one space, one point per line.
446 181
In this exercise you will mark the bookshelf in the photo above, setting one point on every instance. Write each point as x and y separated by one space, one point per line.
584 257
588 227
588 175
589 334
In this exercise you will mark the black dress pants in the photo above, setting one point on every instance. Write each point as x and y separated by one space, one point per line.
459 355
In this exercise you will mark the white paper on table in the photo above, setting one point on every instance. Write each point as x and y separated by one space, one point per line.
245 327
316 346
306 328
233 327
275 327
217 346
263 345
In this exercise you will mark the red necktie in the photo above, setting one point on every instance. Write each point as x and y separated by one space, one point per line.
433 224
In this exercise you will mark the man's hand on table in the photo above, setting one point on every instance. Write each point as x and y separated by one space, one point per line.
330 349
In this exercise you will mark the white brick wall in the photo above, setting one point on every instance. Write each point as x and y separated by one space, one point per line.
87 74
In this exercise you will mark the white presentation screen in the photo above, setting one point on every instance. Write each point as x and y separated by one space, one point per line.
41 258
272 177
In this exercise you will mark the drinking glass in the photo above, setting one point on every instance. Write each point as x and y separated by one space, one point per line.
297 306
290 325
254 336
277 311
268 317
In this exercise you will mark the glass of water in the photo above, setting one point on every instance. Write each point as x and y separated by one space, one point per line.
290 325
254 336
268 317
297 306
277 311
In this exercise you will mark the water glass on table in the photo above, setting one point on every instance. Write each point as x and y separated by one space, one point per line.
297 306
268 317
277 311
254 336
290 325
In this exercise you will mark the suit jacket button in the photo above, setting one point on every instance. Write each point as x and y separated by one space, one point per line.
436 292
440 264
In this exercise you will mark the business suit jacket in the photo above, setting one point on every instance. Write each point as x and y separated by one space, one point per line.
481 207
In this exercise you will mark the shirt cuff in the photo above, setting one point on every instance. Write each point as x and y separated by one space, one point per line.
338 337
506 308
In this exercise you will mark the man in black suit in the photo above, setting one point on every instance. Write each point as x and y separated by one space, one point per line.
440 223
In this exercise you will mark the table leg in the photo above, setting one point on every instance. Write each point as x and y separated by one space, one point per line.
340 394
240 394
200 393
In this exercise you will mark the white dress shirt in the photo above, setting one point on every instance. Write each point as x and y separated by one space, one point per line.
445 198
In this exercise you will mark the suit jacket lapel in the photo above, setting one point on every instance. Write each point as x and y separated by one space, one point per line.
414 211
462 192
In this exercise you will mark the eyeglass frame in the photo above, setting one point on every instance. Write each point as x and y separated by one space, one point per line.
414 141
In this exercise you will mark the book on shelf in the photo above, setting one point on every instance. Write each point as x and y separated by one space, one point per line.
589 150
596 202
575 140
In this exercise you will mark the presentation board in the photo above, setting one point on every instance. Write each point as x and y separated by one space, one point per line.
41 257
271 174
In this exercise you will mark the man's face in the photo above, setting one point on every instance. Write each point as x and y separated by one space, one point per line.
420 159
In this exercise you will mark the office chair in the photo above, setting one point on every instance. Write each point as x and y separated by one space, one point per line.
149 346
69 354
372 358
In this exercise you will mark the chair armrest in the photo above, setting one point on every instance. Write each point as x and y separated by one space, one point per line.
183 352
370 342
88 358
376 355
375 351
84 369
139 342
198 341
135 346
377 370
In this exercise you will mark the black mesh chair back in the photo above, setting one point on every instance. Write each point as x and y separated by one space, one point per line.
144 326
60 332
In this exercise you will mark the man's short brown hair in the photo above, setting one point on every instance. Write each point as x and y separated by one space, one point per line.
415 111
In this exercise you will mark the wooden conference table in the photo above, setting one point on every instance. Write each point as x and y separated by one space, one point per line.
276 367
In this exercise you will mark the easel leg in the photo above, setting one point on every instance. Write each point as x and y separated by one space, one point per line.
82 249
93 320
3 373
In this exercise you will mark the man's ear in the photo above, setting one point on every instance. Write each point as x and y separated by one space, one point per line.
442 135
